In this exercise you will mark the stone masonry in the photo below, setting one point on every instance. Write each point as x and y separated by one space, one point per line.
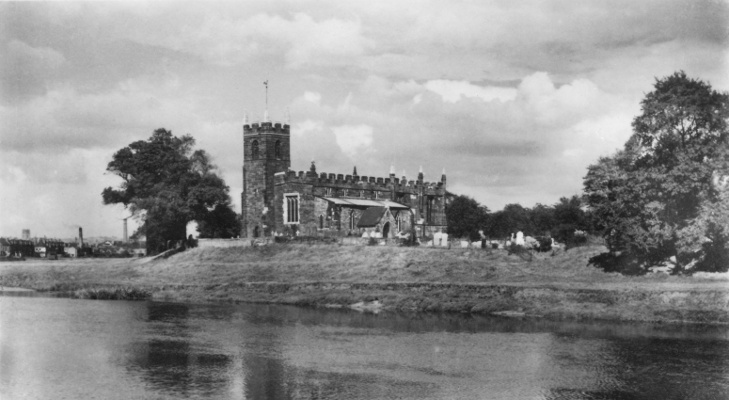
271 189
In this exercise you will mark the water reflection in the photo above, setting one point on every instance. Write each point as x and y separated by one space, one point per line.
170 351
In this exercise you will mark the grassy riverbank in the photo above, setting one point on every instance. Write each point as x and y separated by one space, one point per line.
413 279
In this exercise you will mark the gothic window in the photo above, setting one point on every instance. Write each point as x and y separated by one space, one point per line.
321 222
254 150
351 220
329 192
277 149
292 208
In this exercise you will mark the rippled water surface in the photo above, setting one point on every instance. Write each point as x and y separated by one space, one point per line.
53 348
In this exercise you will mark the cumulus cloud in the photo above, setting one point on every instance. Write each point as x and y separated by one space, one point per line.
452 91
312 97
354 140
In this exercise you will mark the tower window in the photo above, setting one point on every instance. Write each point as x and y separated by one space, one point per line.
254 150
277 149
291 208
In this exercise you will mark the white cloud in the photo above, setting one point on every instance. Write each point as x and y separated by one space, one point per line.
354 140
551 105
312 97
453 91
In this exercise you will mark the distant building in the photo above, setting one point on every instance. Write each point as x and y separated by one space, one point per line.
16 247
278 201
70 251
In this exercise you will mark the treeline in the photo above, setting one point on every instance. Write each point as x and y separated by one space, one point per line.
466 217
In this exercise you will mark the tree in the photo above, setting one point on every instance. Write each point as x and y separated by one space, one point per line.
569 217
465 217
513 218
167 184
222 222
650 199
543 220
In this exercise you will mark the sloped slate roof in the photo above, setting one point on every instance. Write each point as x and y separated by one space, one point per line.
362 203
371 216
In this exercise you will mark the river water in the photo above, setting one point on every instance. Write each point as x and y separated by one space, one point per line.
53 348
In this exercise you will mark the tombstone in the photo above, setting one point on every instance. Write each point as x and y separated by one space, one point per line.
440 239
520 238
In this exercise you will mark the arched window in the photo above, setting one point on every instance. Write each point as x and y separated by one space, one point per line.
254 150
277 149
291 212
321 222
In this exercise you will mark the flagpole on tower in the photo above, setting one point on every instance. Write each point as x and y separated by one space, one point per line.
265 114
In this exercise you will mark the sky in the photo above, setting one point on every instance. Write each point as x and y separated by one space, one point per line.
513 99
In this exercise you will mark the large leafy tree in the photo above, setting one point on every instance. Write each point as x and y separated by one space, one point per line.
654 199
466 217
166 183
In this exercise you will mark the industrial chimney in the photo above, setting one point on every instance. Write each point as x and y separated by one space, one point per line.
81 235
126 237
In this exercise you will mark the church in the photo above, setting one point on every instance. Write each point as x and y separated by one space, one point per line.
277 201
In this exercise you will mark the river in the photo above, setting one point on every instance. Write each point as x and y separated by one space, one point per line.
55 348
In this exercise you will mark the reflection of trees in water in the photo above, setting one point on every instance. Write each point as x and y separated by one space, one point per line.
169 362
647 367
268 376
674 369
244 351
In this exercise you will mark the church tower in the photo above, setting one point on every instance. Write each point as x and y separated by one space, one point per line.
266 151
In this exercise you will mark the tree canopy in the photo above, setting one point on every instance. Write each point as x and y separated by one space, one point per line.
465 217
221 223
659 197
167 184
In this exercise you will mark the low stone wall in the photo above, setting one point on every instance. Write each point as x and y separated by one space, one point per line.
345 240
208 243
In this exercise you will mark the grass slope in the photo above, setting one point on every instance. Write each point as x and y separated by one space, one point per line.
416 279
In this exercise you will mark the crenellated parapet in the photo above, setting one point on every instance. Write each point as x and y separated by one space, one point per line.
260 128
361 182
